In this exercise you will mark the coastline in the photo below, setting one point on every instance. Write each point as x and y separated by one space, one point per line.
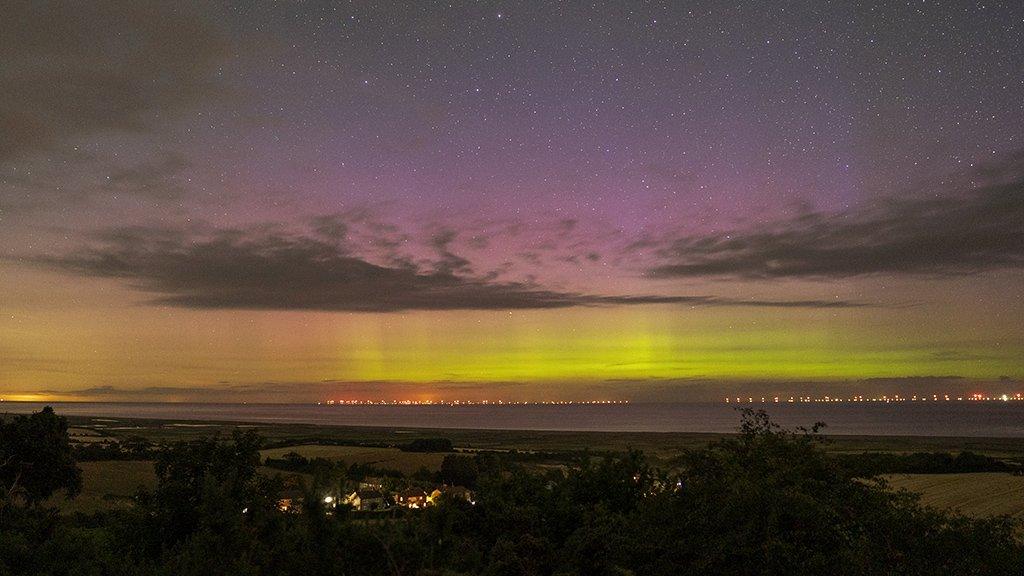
185 424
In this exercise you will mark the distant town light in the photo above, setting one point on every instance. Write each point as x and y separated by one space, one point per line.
975 397
395 402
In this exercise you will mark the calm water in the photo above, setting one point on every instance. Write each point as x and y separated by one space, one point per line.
994 419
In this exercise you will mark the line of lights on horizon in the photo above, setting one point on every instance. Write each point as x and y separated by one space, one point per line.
464 402
879 399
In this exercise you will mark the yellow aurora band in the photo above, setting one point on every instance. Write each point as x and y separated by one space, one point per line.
109 336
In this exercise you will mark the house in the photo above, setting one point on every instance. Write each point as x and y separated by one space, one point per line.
290 499
453 492
372 500
411 498
352 500
365 500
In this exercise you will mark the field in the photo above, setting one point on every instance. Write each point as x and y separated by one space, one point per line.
110 484
659 444
393 458
107 485
976 494
86 435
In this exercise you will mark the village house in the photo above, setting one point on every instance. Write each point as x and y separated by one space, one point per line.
287 505
290 497
366 500
411 498
453 492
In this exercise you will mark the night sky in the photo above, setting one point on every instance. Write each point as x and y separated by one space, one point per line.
515 200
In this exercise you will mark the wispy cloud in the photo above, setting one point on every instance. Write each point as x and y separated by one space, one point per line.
268 268
977 228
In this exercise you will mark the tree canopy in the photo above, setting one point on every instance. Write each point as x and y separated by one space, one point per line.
36 458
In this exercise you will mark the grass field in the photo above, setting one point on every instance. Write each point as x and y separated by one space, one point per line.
107 485
406 462
975 494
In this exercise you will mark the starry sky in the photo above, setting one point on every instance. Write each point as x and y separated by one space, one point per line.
509 200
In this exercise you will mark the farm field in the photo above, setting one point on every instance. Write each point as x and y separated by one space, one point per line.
658 444
107 485
974 494
86 435
405 462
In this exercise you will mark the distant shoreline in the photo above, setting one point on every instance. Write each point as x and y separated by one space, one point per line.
910 419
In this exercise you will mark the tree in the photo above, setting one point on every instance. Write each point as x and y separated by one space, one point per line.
459 470
207 483
36 458
429 445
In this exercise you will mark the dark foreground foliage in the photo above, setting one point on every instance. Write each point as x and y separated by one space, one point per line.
875 463
36 458
764 502
428 445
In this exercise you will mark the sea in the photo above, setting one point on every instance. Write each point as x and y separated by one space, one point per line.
961 419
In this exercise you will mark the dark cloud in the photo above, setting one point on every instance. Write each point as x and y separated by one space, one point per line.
362 229
220 392
74 69
266 268
331 227
978 228
449 262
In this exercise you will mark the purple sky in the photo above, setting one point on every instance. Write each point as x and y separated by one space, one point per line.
760 161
